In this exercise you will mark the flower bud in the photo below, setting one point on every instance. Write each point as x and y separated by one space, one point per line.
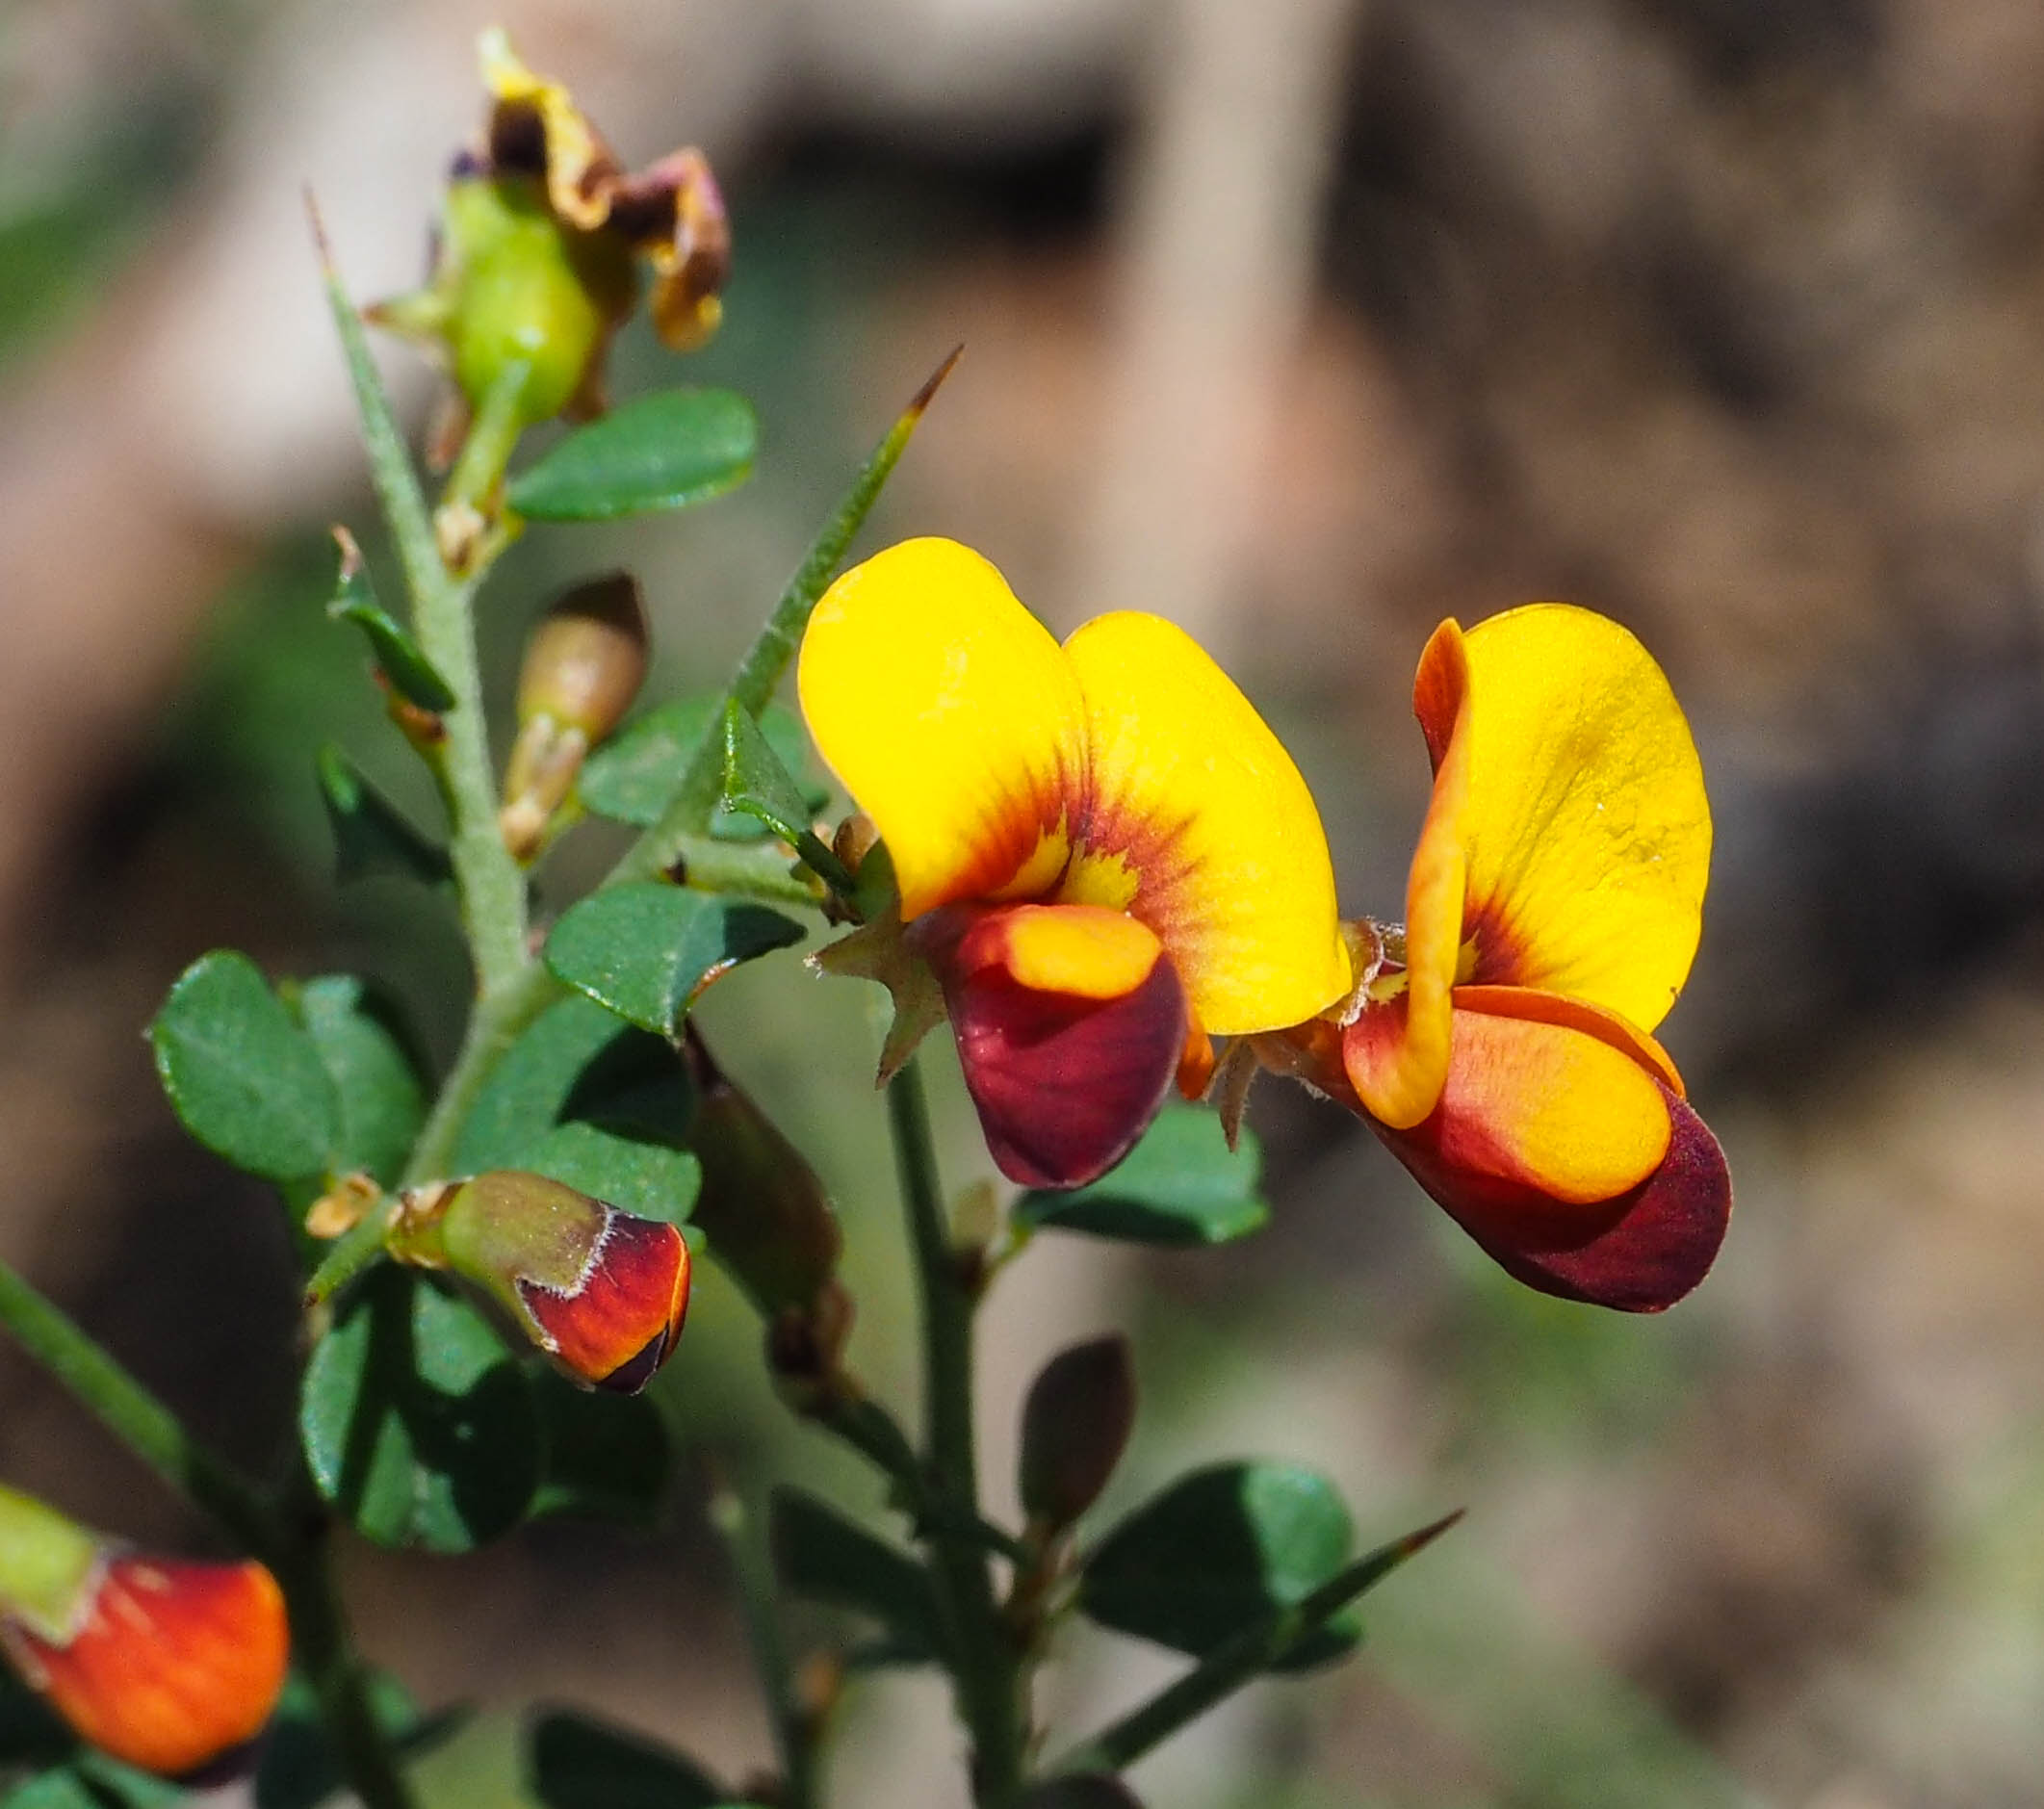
1075 1425
583 664
602 1292
767 1218
167 1666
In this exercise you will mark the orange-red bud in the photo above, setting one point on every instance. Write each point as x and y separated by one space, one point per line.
166 1665
583 664
1075 1426
602 1292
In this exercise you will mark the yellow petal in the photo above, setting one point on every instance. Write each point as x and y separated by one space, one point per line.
581 170
1198 823
1396 1052
948 712
1586 828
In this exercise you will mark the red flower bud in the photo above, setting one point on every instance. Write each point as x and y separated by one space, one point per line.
599 1291
166 1665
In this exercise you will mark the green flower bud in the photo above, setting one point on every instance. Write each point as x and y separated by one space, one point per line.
1075 1426
583 664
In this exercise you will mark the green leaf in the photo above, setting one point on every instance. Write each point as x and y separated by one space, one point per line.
573 1762
1178 1186
372 835
575 1064
382 1100
1091 1791
631 778
411 674
647 950
653 1179
601 1453
417 1425
1216 1552
664 451
758 784
242 1074
820 1553
298 1769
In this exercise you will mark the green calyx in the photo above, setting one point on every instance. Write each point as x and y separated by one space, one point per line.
48 1566
516 285
501 1229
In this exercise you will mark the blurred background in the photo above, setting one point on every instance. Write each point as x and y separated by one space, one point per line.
1306 323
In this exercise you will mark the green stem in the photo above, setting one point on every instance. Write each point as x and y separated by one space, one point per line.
872 1430
1238 1661
754 1573
491 888
498 1021
323 1651
988 1661
348 1255
492 438
134 1415
155 1434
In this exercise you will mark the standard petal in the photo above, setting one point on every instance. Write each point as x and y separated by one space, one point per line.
1396 1050
1639 1252
952 717
1064 1081
1197 822
1586 831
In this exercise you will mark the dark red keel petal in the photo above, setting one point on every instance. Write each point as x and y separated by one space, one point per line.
1065 1085
1639 1252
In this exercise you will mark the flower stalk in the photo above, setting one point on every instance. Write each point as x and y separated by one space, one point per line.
989 1664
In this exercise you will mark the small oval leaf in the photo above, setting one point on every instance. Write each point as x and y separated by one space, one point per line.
577 1063
1218 1551
821 1555
663 452
417 1424
646 951
634 777
242 1074
381 1099
410 673
1181 1185
372 835
574 1763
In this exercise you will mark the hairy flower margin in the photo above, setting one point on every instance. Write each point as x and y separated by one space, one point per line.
169 1666
1104 858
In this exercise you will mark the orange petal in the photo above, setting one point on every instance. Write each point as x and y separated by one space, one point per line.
1586 828
1197 822
620 1322
1639 1252
1554 1008
952 716
1397 1050
174 1666
1064 1082
1545 1106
